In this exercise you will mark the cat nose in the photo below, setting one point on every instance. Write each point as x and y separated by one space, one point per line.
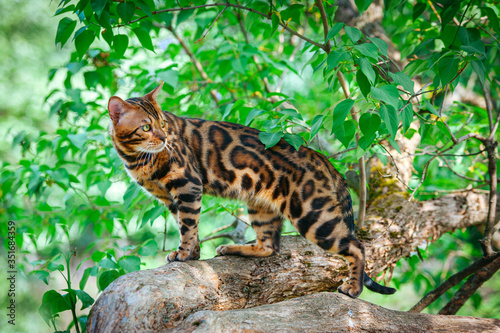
161 136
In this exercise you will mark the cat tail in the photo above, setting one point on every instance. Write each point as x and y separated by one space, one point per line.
374 286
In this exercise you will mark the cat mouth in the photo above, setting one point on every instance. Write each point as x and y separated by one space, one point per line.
156 149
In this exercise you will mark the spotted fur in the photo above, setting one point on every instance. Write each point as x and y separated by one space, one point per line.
178 159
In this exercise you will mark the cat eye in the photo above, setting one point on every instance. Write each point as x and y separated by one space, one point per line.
146 127
163 123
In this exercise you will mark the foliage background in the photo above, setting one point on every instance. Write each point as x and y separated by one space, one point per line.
66 189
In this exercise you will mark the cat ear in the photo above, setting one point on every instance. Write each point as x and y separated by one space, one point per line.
154 94
116 108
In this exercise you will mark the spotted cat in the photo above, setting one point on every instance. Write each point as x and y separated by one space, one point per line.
178 159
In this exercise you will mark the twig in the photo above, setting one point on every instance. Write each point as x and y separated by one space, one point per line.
455 142
342 152
269 17
195 61
470 287
459 175
452 281
397 169
211 25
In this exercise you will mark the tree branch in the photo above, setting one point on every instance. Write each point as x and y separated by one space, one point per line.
293 32
195 61
453 281
470 287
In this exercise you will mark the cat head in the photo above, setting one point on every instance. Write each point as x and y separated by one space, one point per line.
138 124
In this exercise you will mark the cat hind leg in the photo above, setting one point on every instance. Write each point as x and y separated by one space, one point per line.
267 226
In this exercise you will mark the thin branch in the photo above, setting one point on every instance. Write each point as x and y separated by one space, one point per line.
459 175
452 281
342 152
470 287
489 33
269 17
205 33
195 61
455 142
489 229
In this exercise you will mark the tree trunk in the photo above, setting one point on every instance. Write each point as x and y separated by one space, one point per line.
162 298
329 312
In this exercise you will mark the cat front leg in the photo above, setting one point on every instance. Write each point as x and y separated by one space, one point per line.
187 210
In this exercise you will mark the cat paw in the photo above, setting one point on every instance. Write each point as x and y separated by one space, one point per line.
221 250
351 290
182 255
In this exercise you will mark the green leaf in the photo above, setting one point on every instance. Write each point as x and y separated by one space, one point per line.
97 256
431 108
78 140
369 124
148 248
353 33
91 79
319 66
252 114
183 15
334 58
380 44
478 67
363 83
448 69
492 17
125 11
152 214
144 38
170 77
120 44
345 133
449 12
334 31
295 140
84 298
98 6
83 42
390 116
130 263
388 94
52 303
367 69
442 128
41 275
407 117
64 30
145 8
130 194
105 278
165 17
394 144
403 80
362 5
108 263
340 112
275 23
292 113
418 9
270 139
316 124
90 271
368 50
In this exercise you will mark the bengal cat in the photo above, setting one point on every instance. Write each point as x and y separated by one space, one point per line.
178 159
